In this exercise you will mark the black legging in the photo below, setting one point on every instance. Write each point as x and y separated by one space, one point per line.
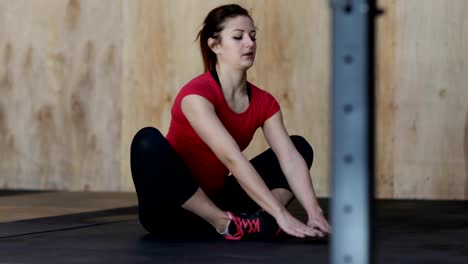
163 183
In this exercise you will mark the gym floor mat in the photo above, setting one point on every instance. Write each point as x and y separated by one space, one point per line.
406 231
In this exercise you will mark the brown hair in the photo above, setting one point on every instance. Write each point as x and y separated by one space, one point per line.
212 26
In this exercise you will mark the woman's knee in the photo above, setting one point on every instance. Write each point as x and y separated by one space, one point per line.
304 148
146 138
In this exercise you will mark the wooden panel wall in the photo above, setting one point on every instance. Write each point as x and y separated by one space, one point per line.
78 78
385 100
60 78
431 96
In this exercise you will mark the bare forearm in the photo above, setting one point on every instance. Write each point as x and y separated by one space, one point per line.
298 177
254 186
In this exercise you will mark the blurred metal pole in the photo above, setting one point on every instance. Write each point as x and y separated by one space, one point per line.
352 108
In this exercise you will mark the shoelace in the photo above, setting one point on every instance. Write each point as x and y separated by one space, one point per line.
243 226
248 226
253 225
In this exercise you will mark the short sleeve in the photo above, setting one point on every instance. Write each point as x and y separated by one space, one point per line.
198 86
204 91
271 106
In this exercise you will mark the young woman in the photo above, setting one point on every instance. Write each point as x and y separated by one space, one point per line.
182 180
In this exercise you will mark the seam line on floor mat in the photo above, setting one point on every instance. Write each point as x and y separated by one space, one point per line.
62 229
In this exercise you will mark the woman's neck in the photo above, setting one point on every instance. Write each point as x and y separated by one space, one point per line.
233 82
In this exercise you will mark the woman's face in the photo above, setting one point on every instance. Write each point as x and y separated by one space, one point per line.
237 47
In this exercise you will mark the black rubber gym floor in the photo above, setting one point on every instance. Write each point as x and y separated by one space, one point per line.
406 232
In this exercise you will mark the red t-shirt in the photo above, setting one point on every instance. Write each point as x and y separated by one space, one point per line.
209 172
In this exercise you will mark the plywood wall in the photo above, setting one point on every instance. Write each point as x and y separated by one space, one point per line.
60 78
422 100
385 99
431 98
78 78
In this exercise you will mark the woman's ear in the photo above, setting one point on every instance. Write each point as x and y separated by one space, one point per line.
213 44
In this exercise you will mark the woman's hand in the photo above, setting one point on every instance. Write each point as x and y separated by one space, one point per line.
294 227
318 221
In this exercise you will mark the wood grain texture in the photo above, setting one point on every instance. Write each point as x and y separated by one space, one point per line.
431 95
293 64
160 56
78 78
60 86
466 155
385 100
49 204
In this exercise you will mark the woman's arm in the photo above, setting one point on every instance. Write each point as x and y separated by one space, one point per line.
294 168
202 117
